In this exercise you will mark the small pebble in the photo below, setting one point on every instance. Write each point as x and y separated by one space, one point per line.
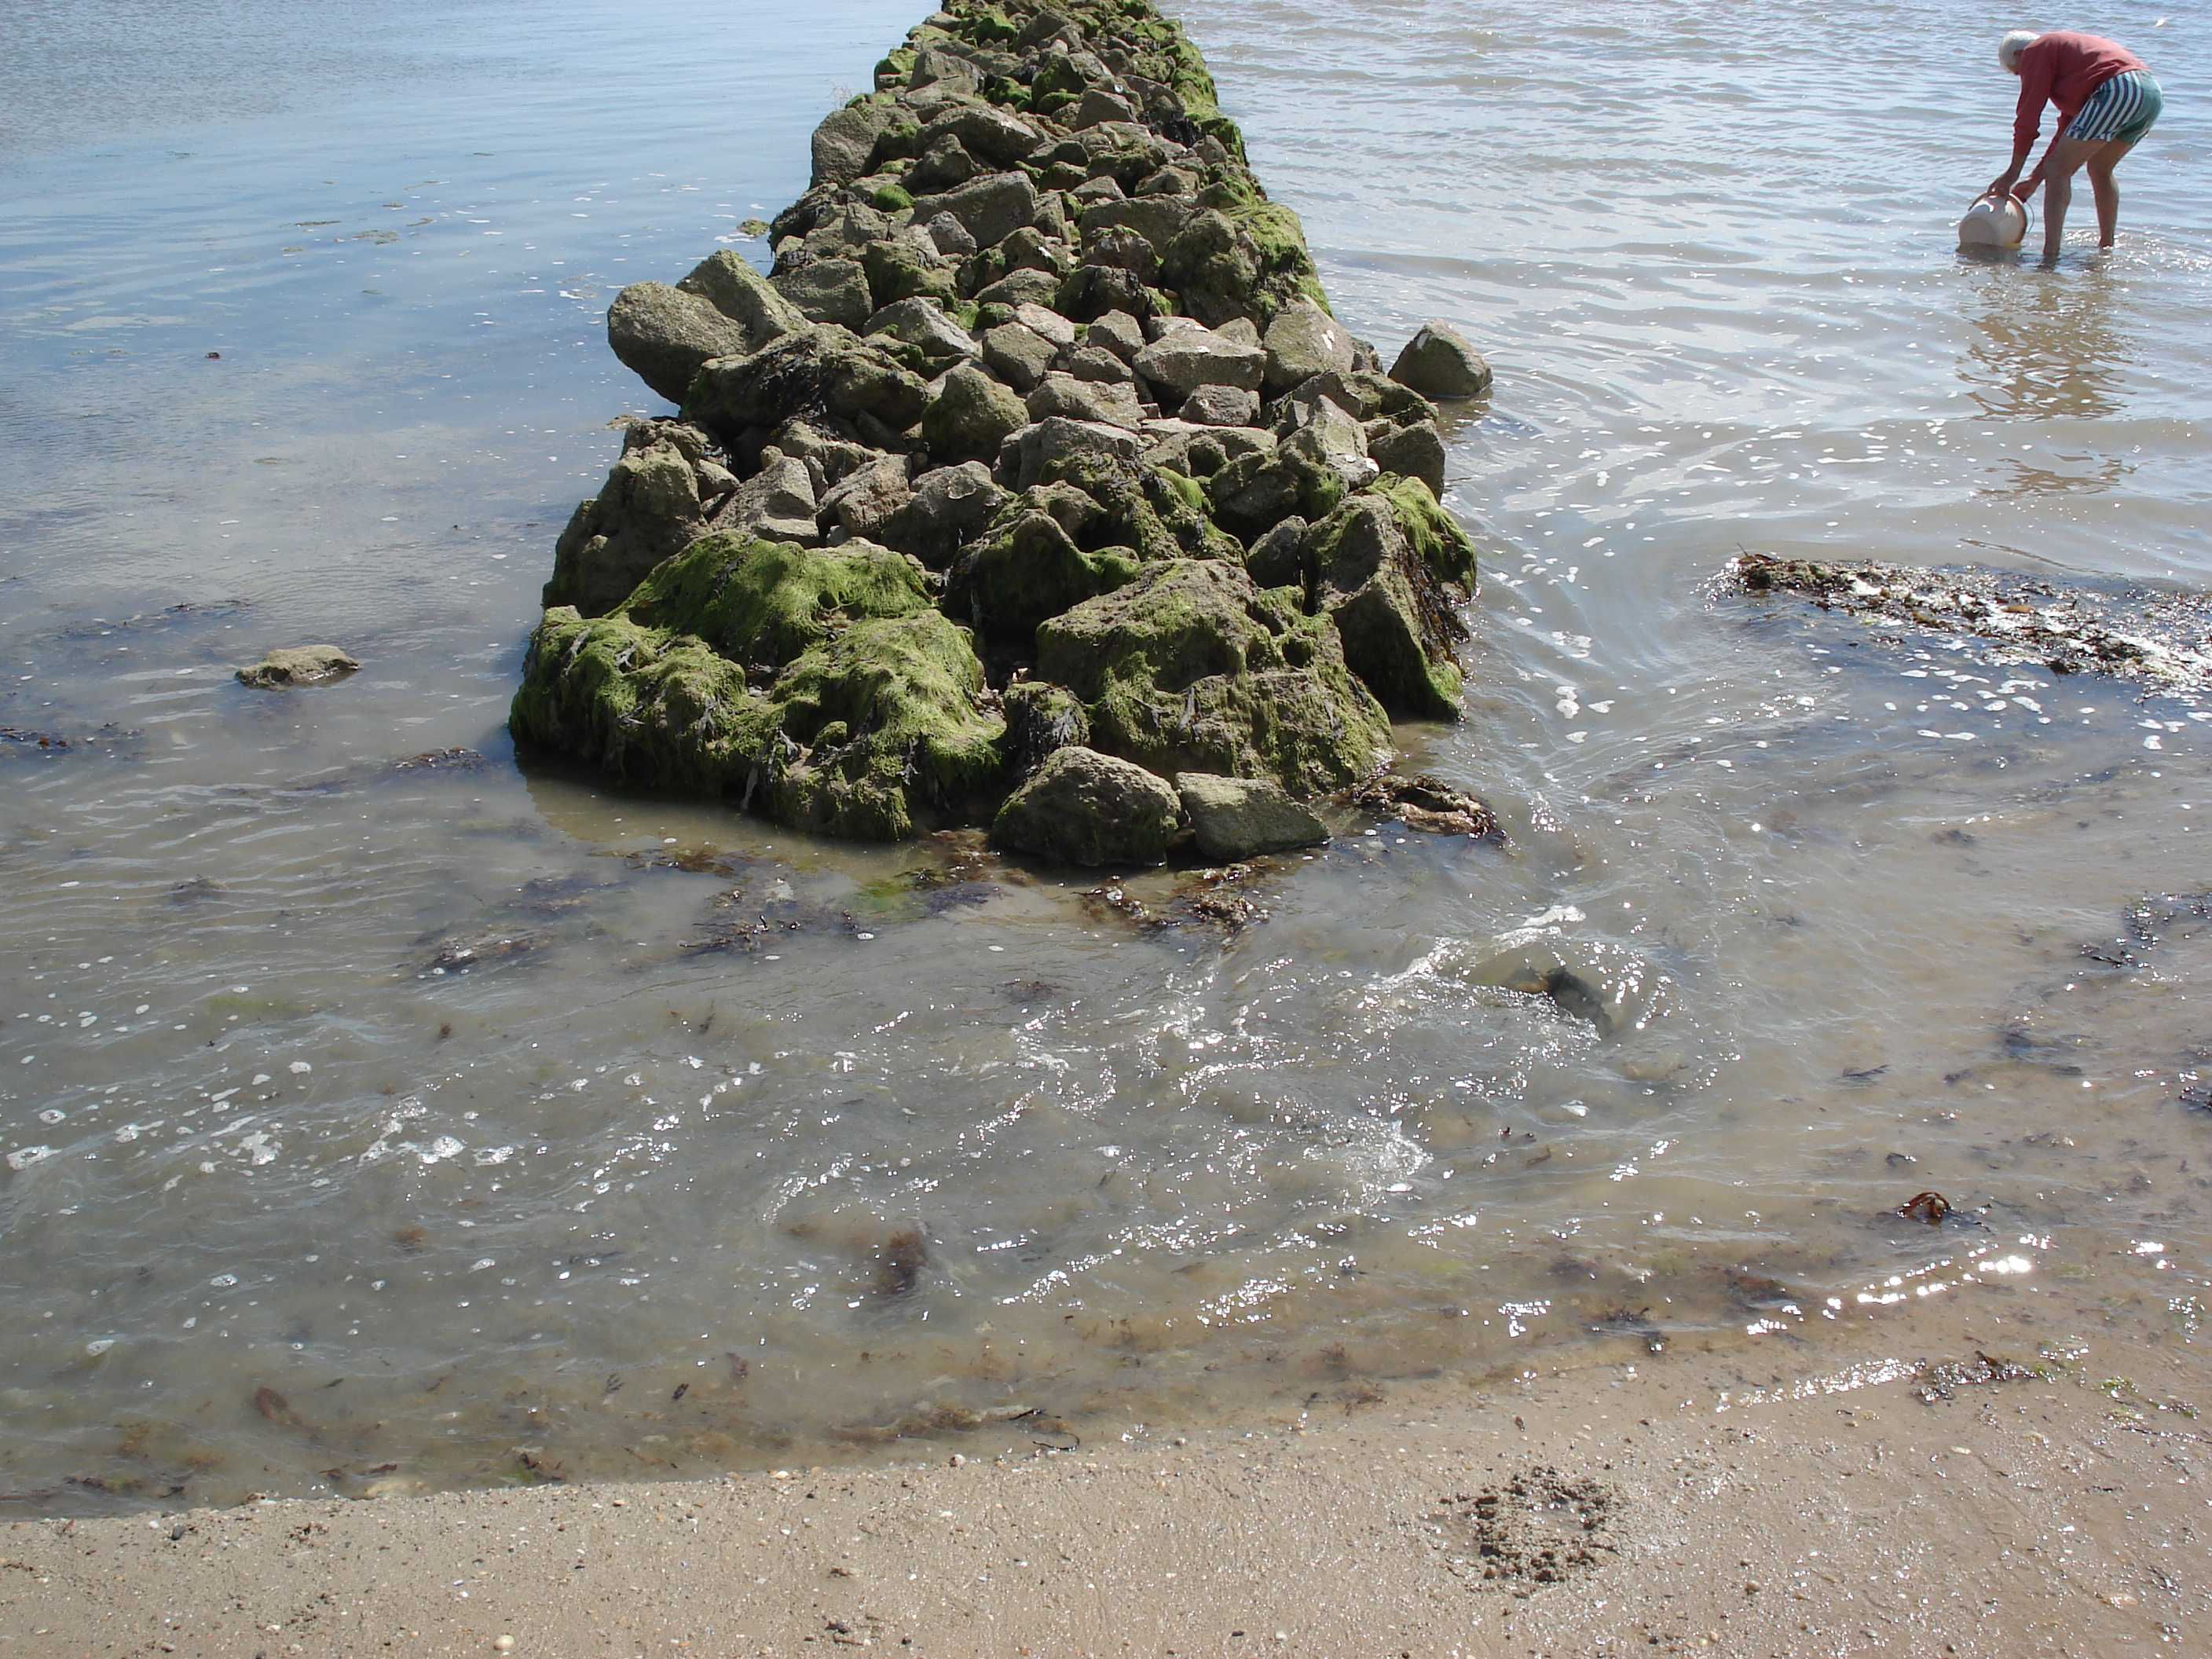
503 1643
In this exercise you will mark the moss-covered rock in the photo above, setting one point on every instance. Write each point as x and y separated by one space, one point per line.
826 372
819 687
1190 667
971 416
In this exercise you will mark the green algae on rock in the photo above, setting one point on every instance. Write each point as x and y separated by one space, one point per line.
978 475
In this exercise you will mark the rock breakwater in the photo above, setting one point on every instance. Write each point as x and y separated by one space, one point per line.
1039 436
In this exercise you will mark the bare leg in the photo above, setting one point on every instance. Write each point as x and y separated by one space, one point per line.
2100 167
2060 163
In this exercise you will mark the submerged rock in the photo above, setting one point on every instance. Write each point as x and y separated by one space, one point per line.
299 664
1005 376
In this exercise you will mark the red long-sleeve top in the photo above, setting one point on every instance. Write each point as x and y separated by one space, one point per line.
2062 68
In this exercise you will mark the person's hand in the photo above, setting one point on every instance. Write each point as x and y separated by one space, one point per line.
2002 184
2027 187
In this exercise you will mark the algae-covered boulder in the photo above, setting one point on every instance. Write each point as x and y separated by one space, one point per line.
825 372
1192 668
733 287
1243 818
1394 615
971 416
299 664
647 510
819 687
1085 808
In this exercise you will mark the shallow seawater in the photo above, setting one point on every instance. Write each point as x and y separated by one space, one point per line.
379 1113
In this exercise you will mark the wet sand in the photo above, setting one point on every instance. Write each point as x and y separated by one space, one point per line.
1696 1503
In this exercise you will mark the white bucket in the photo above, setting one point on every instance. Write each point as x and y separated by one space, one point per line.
1994 221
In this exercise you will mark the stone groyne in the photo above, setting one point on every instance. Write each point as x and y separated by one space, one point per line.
1034 486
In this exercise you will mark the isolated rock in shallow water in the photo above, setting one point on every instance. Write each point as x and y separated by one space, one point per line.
299 664
1085 808
1243 818
1599 983
665 335
1439 361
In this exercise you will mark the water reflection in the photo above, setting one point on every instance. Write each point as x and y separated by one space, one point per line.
2047 348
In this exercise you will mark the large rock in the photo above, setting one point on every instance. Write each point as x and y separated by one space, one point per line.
820 687
299 664
1156 219
1440 362
1027 567
863 502
1179 363
1050 448
984 130
829 291
922 323
646 510
1303 341
846 138
725 281
1190 667
1074 399
776 504
1221 405
1084 808
1410 452
824 372
666 336
991 208
1397 620
1243 818
1018 355
971 416
1332 439
949 508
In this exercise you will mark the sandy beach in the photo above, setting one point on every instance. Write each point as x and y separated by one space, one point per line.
1691 1502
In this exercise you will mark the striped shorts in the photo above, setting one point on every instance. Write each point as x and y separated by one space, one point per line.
2123 108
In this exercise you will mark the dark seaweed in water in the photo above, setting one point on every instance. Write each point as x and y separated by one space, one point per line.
1937 1379
1426 803
899 1262
2156 635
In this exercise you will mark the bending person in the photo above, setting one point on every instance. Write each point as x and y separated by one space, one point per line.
2106 101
